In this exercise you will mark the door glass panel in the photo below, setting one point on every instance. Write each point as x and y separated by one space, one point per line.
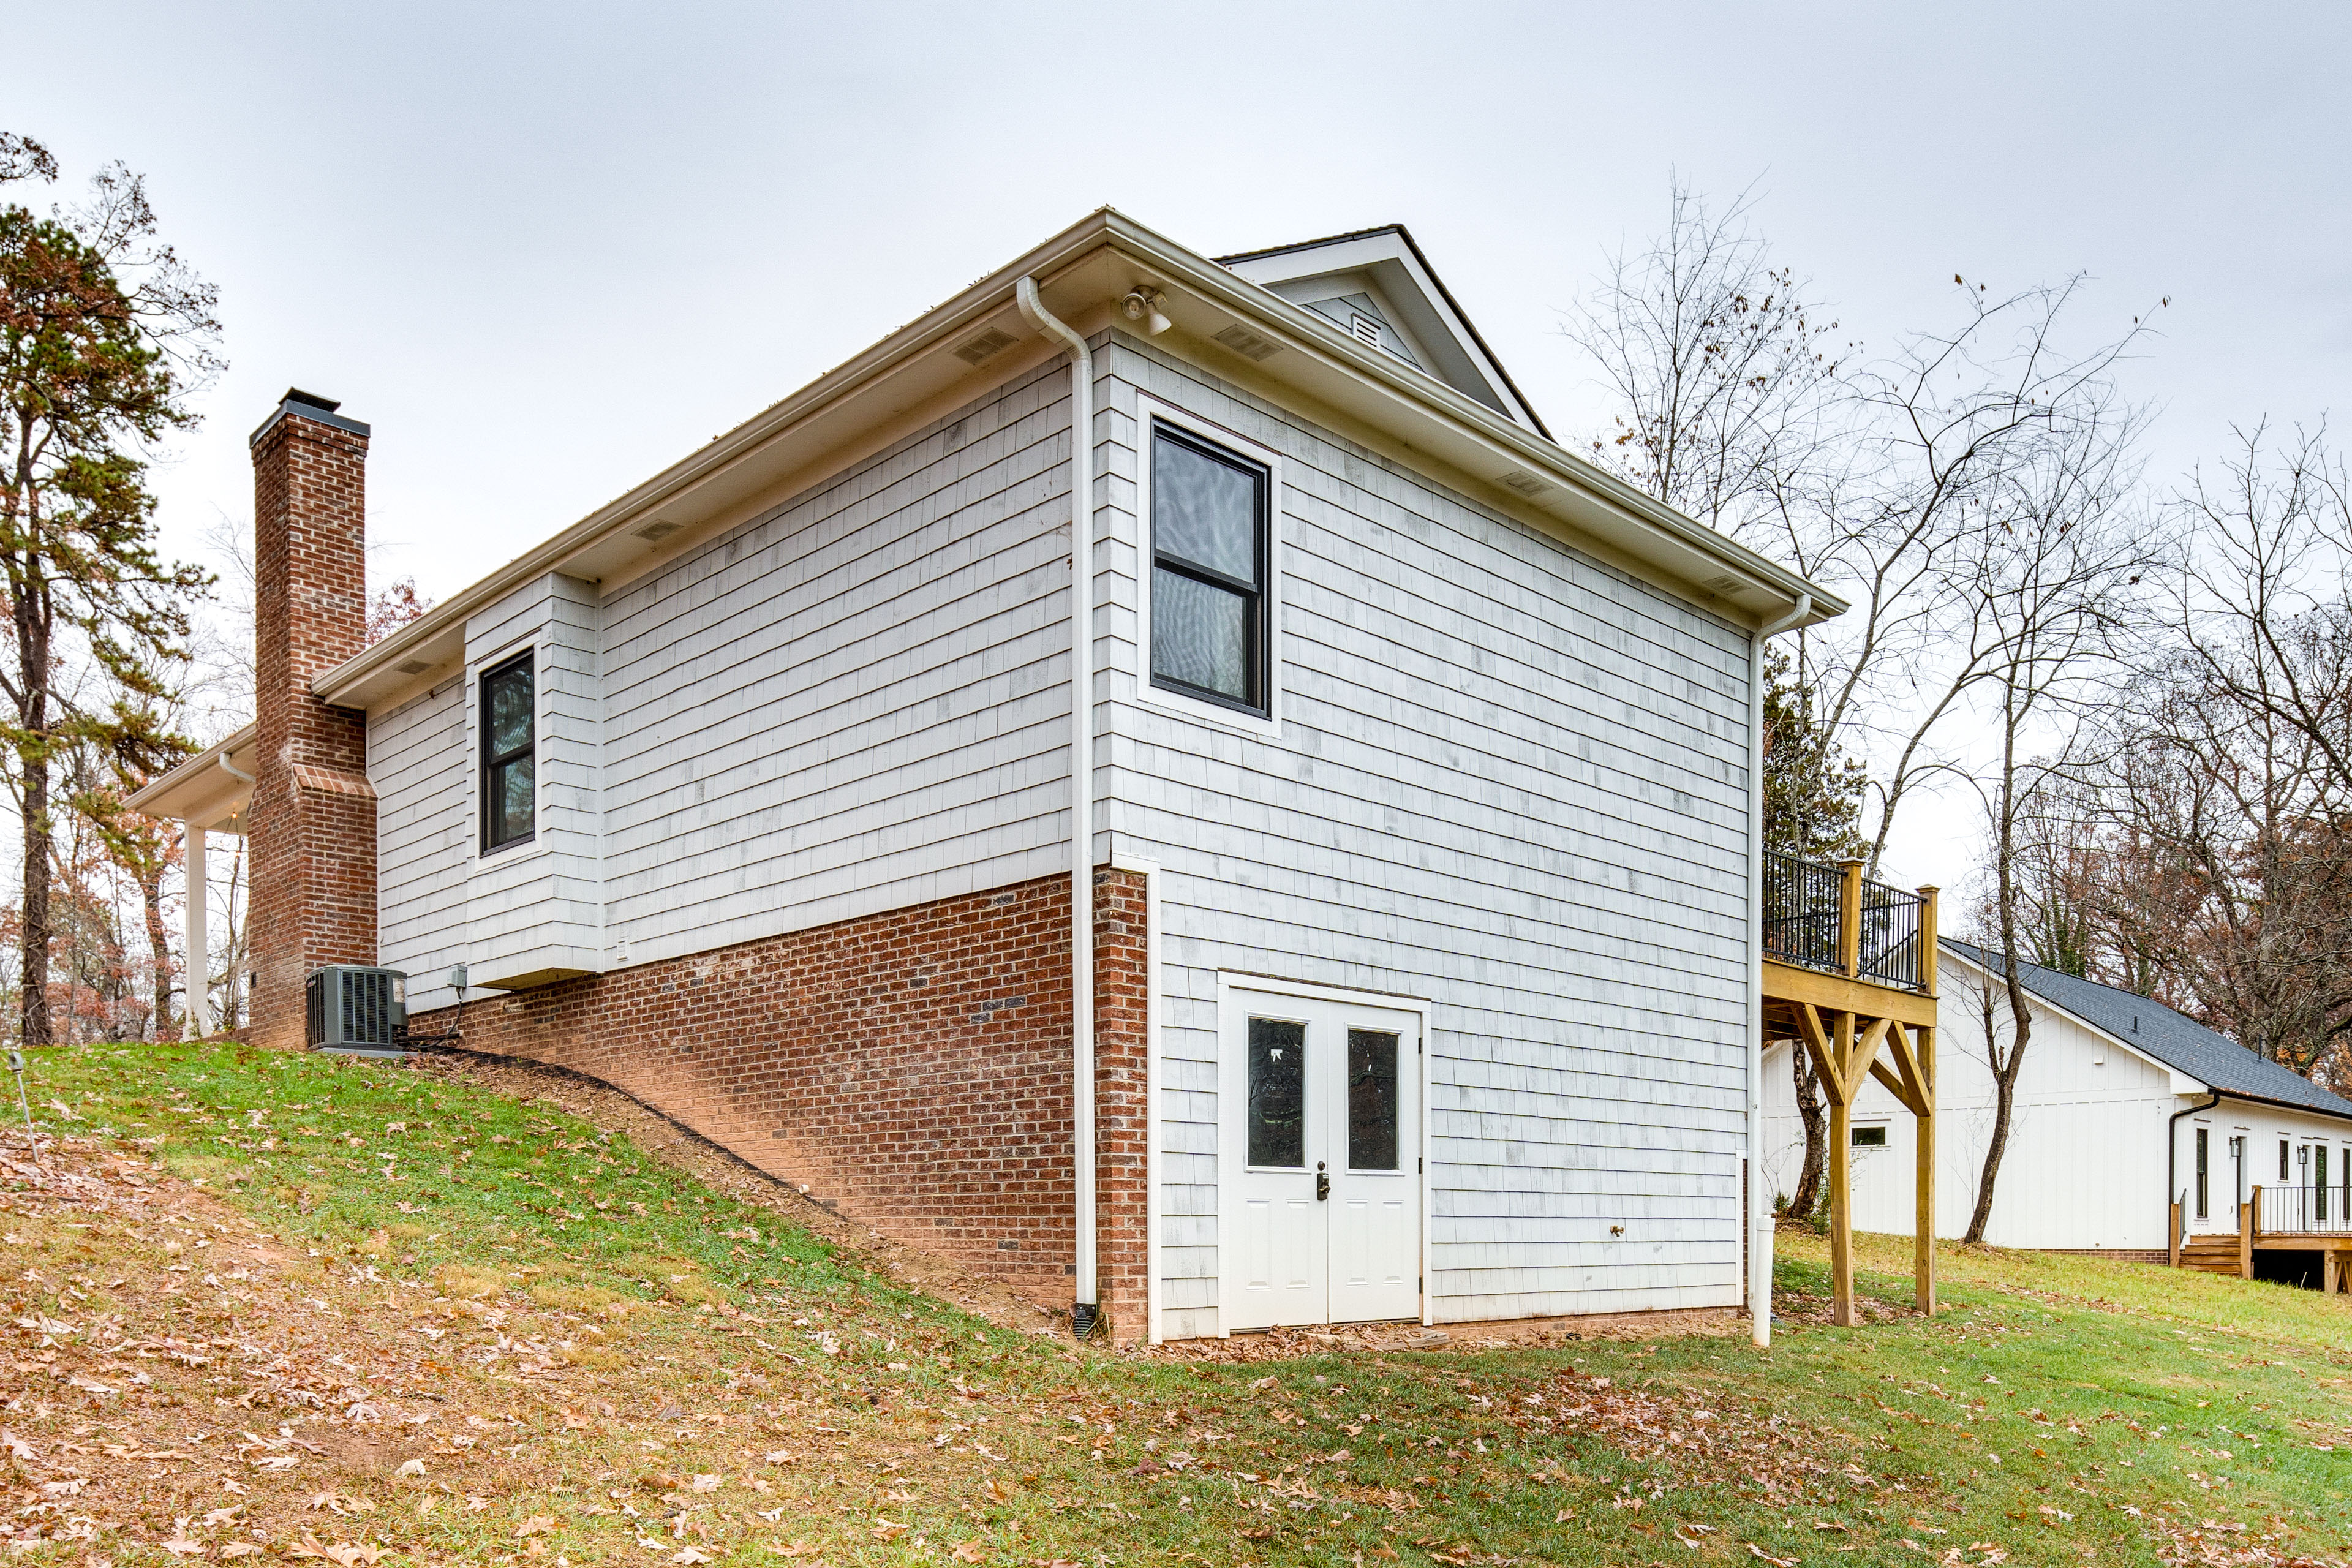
1372 1100
1277 1093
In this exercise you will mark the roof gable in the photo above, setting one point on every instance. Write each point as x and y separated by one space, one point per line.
1376 283
2155 1030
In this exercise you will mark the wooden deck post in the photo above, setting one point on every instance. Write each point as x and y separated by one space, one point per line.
1842 1311
2246 1239
1850 919
1923 1181
2172 1241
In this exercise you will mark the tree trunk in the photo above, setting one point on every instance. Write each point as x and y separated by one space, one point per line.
1810 1114
33 1007
158 944
2020 1016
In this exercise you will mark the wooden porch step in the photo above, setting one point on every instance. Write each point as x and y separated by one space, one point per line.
2211 1253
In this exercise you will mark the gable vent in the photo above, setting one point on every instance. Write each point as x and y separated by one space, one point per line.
656 530
413 665
1366 329
1246 343
1525 483
990 344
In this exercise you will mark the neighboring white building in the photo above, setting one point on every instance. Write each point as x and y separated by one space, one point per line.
2123 1107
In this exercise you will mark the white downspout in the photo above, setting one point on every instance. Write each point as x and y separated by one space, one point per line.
1759 1202
1087 1304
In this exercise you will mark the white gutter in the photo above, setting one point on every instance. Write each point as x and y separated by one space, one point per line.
1759 1205
1086 1306
235 772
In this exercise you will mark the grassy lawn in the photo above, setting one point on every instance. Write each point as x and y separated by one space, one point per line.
363 1314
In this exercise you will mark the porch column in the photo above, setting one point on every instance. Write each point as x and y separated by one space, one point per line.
196 1012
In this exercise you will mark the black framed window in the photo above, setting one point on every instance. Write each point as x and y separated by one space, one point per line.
2203 1164
509 747
1210 556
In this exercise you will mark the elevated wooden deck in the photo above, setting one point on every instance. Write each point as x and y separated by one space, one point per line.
1849 976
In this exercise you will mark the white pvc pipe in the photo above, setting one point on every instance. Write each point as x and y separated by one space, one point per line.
1082 880
1759 1202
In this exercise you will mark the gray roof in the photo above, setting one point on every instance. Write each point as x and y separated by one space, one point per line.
2180 1043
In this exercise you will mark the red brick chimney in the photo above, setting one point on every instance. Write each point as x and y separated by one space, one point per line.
312 824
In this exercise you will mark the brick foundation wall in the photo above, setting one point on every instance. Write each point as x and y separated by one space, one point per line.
312 826
912 1068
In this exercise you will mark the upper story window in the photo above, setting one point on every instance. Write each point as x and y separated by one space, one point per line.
1209 567
510 745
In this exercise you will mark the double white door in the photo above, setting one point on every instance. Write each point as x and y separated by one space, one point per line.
1321 1161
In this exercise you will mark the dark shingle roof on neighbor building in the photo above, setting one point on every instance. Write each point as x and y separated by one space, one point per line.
2180 1043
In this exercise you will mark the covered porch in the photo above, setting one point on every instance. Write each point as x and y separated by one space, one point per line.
1850 977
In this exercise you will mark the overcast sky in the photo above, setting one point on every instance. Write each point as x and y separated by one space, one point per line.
546 251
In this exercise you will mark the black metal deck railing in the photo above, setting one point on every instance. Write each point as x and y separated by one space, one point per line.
2301 1211
1804 911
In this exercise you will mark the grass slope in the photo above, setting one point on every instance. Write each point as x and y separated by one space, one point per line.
363 1314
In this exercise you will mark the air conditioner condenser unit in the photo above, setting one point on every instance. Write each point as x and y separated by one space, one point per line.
357 1010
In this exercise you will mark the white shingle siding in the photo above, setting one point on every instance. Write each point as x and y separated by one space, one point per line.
854 702
1510 779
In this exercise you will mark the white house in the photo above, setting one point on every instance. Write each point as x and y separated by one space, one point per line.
1416 796
2124 1106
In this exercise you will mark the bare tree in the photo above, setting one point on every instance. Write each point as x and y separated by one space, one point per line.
1720 364
2052 590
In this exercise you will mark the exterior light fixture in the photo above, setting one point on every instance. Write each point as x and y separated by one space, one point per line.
1143 305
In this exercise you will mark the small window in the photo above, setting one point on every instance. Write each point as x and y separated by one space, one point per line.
1210 563
2282 1160
510 741
2319 1181
1870 1137
2204 1163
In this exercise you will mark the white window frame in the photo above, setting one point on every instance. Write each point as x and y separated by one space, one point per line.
476 668
1147 409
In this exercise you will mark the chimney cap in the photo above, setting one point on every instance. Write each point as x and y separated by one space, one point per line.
309 405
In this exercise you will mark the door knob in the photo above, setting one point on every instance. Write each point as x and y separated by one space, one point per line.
1322 1183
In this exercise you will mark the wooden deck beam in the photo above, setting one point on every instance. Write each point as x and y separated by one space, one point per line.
1785 983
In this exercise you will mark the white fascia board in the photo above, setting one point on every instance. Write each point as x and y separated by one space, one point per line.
202 791
1426 312
1080 272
